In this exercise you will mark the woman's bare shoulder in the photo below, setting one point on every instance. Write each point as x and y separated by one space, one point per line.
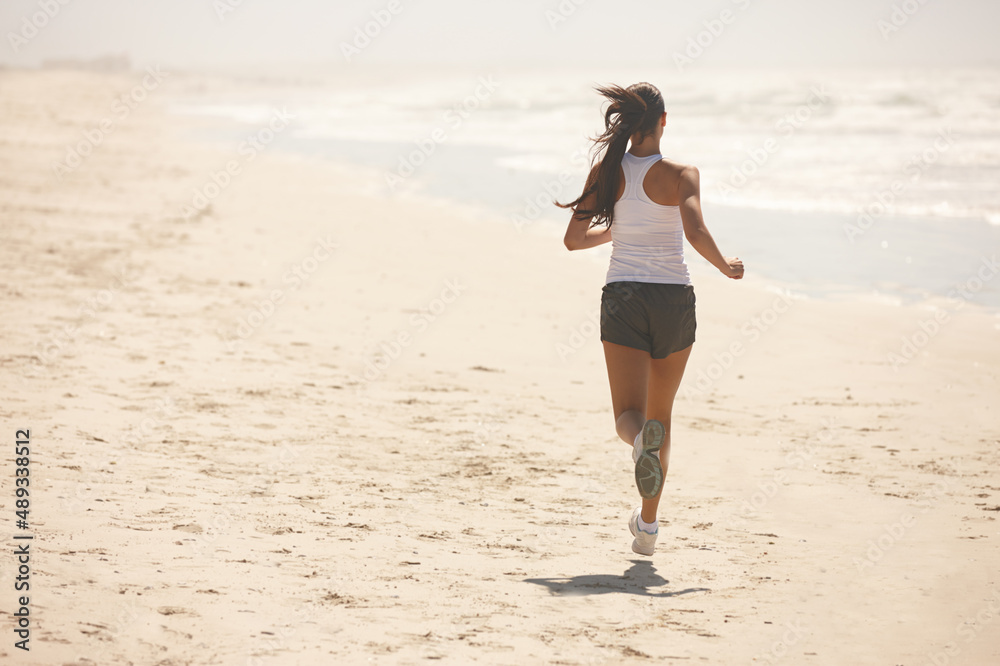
668 166
669 174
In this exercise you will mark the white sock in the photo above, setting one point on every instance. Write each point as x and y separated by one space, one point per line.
649 528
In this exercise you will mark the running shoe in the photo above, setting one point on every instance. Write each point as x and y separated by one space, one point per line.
644 542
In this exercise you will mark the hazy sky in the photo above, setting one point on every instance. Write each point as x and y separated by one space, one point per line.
190 33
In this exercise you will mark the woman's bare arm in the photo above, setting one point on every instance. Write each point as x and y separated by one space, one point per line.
694 225
579 234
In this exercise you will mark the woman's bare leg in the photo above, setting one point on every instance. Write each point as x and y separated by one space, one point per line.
628 375
664 379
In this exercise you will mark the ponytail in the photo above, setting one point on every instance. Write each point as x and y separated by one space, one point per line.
633 110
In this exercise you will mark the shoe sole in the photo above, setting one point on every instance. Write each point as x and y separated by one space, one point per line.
648 472
639 551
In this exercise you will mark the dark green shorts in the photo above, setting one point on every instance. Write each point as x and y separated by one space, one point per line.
656 318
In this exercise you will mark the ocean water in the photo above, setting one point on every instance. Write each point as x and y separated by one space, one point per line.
886 182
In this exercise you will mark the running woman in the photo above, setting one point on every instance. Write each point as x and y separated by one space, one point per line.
644 202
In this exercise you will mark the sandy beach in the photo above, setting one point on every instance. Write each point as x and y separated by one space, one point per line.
308 424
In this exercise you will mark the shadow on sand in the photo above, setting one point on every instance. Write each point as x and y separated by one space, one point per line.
641 579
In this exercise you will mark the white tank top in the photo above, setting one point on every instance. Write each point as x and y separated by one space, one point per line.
647 238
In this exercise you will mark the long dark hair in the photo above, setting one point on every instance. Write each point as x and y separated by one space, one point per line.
633 110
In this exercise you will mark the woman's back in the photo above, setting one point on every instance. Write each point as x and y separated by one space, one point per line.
647 237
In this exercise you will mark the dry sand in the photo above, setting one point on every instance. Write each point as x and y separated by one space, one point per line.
205 498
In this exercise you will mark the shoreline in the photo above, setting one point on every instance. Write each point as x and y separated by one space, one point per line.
897 259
